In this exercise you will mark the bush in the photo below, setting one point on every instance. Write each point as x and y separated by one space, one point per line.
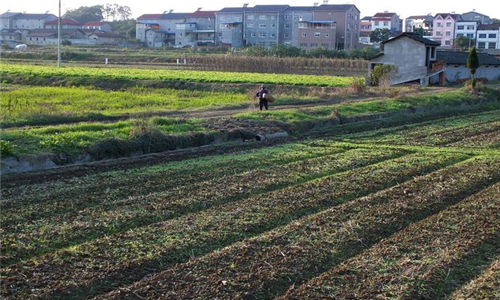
357 85
382 75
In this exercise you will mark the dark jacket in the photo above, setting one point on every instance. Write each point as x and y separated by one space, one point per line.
260 94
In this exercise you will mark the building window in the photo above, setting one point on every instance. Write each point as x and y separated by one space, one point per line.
286 35
252 34
448 33
273 34
447 43
314 45
287 25
325 45
481 45
386 23
470 35
317 34
304 34
471 27
262 34
287 17
262 25
303 44
250 25
492 36
439 33
327 34
438 24
262 43
250 17
461 27
492 45
377 23
262 17
482 35
448 24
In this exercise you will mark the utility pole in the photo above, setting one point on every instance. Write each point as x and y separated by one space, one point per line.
59 37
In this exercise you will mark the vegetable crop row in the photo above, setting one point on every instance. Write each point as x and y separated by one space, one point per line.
427 260
121 214
267 265
98 266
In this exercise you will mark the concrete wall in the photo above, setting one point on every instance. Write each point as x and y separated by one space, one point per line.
460 72
229 34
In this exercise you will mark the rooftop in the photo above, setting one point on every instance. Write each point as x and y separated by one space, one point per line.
270 8
415 37
64 21
445 15
489 27
336 7
202 14
94 23
460 58
33 16
9 14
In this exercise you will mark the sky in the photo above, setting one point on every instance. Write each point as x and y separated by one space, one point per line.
367 7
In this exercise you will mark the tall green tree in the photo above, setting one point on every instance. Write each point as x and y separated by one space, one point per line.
85 14
380 35
473 64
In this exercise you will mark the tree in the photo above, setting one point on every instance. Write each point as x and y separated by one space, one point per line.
380 35
473 64
116 12
463 42
85 14
420 31
495 21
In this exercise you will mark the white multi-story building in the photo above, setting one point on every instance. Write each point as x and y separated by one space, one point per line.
466 28
387 20
488 37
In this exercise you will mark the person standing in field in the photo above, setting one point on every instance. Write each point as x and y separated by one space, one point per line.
261 95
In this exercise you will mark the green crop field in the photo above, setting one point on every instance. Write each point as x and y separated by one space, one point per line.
173 75
25 105
413 206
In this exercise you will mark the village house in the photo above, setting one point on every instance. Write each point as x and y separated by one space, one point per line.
197 30
416 58
387 20
50 36
411 55
444 28
476 17
488 37
65 24
425 22
454 65
158 30
314 34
